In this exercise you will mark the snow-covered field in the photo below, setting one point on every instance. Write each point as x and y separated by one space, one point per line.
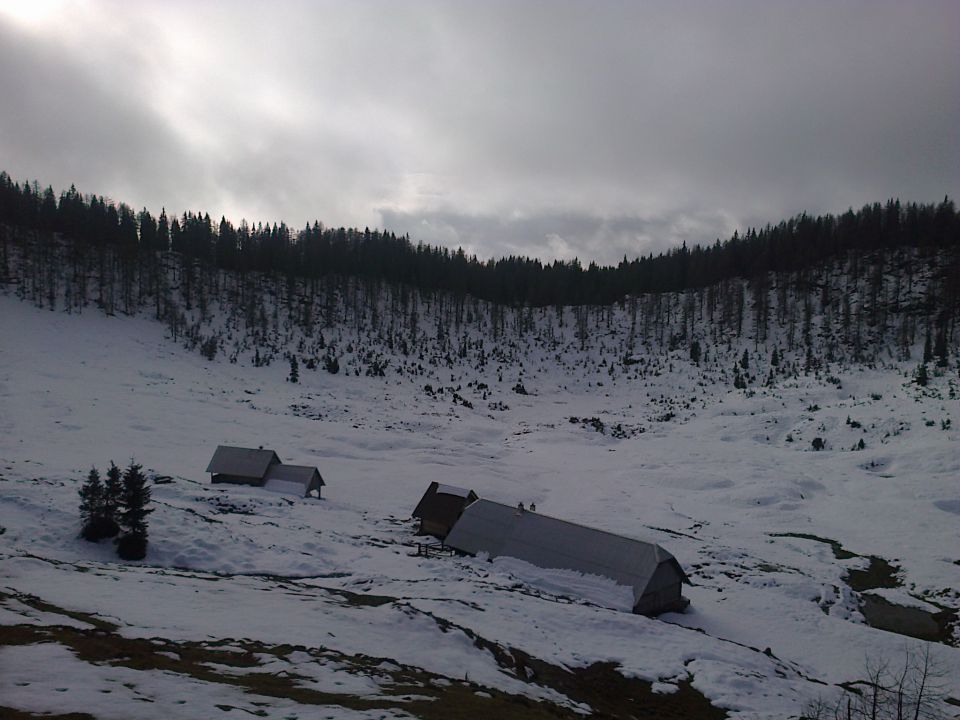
321 608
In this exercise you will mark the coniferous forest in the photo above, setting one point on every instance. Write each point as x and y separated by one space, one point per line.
318 251
851 287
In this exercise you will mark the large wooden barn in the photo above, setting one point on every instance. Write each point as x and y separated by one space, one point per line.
501 530
262 468
440 507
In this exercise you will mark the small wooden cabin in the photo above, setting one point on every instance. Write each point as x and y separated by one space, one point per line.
262 468
440 507
241 466
293 479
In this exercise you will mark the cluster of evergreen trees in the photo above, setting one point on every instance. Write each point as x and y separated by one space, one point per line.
117 505
318 251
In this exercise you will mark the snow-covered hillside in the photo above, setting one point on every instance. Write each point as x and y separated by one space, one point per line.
250 602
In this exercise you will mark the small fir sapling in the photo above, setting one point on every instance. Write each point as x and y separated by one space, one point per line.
208 348
331 364
738 380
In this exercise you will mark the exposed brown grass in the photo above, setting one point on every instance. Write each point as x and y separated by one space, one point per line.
413 690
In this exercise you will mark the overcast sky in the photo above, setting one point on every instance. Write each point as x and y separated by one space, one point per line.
555 129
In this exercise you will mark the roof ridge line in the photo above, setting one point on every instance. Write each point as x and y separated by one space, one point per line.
571 522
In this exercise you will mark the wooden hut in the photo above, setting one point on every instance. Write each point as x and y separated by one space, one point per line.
262 468
440 507
293 479
241 466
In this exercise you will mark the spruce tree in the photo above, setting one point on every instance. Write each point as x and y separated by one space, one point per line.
91 500
133 516
112 497
98 505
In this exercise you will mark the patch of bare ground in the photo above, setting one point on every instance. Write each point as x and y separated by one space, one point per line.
8 713
413 690
601 685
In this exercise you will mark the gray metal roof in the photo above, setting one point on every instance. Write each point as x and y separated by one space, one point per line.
243 462
302 474
548 542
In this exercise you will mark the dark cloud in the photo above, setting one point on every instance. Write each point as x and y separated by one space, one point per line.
553 128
